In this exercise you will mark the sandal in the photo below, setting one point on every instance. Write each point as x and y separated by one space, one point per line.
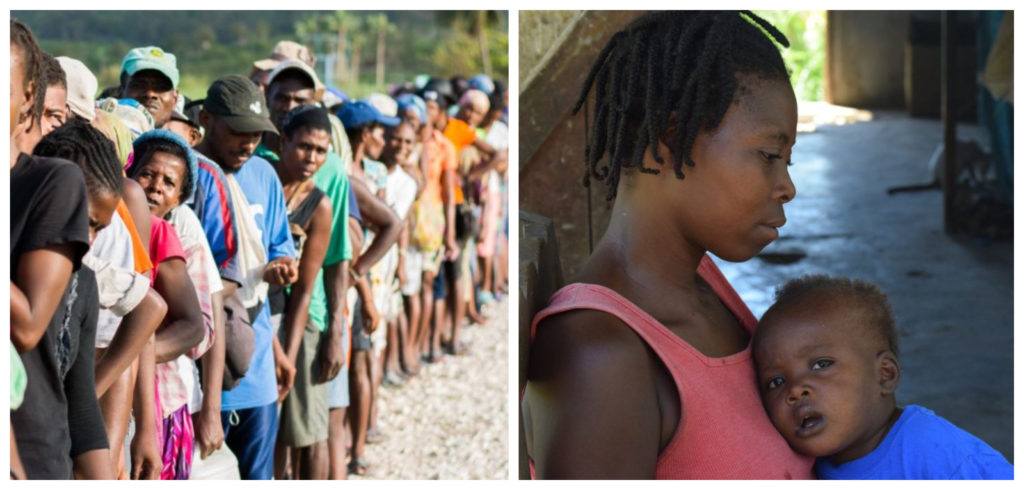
393 380
358 467
459 349
431 358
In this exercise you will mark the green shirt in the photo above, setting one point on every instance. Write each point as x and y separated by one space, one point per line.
18 379
333 181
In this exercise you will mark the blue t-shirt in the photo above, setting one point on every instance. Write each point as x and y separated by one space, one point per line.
923 446
353 207
215 211
265 198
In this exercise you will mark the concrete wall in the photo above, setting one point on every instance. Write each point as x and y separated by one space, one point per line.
540 275
557 50
865 58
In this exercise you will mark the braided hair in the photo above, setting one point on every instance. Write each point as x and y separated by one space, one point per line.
21 36
671 63
79 142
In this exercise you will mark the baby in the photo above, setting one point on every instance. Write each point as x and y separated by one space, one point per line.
828 368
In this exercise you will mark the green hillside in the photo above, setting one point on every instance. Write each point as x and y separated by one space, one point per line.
209 44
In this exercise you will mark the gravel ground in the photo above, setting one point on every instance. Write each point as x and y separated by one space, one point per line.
450 421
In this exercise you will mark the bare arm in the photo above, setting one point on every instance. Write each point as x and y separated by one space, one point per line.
17 469
146 462
484 147
183 326
131 337
403 245
448 183
479 170
332 352
94 465
296 317
207 424
380 217
362 286
590 359
38 286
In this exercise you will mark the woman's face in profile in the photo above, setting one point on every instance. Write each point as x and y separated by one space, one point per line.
730 202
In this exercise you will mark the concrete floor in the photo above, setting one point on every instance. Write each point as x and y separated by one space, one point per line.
952 297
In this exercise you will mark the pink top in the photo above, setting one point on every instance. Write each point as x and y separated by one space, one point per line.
724 432
165 245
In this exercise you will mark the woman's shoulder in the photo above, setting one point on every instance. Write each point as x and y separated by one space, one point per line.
587 345
323 207
591 380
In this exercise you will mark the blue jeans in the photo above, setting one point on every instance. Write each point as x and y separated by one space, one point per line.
251 433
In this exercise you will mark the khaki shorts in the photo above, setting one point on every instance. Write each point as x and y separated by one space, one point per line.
304 417
432 261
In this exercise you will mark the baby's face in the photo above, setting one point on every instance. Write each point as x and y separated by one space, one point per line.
817 373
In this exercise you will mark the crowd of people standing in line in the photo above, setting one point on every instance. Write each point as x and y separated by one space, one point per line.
250 267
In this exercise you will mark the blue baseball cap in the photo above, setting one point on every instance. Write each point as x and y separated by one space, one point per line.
151 58
482 83
359 113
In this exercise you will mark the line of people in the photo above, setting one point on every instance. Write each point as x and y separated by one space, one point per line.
245 270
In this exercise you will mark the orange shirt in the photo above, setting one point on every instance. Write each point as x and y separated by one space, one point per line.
461 136
440 153
139 253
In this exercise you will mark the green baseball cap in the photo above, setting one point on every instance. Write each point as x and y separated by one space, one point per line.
240 103
151 58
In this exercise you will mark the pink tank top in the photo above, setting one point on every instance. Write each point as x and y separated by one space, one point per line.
724 432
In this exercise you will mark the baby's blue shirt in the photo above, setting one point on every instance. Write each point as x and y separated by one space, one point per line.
923 446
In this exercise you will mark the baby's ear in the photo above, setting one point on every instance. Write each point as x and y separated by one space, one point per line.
888 367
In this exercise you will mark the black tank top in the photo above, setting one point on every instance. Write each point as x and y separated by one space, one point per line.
298 224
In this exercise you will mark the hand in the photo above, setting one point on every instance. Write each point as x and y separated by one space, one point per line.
209 431
285 372
331 359
147 462
451 251
401 276
371 317
281 272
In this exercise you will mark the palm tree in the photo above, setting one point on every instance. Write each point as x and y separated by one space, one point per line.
357 37
481 20
379 23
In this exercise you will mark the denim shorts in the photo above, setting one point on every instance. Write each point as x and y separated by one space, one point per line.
337 390
251 434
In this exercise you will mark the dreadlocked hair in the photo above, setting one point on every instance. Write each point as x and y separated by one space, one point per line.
21 36
53 74
79 142
670 63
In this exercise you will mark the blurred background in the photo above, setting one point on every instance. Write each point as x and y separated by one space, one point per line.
359 52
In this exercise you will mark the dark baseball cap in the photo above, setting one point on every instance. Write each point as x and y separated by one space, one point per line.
240 103
437 89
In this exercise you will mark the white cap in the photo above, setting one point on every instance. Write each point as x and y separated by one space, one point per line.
300 66
82 86
286 50
386 105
